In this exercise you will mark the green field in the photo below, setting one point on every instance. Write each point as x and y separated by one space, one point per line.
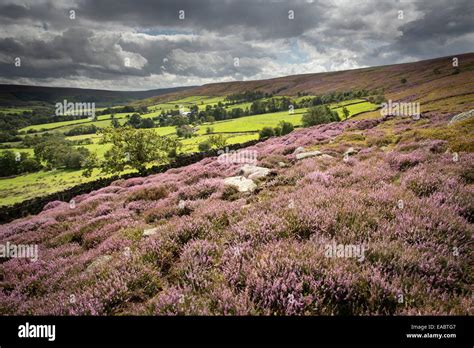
239 130
14 110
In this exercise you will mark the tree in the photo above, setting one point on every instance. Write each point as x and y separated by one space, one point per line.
52 150
318 115
147 123
135 148
266 132
185 131
29 165
179 120
12 164
85 129
285 127
345 112
8 163
204 146
257 107
135 121
115 123
75 158
219 141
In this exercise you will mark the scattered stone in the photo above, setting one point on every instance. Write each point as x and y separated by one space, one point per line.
150 231
350 151
254 172
325 155
300 156
462 116
282 164
246 206
241 183
98 262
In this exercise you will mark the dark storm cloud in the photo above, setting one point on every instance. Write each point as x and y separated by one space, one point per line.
266 19
139 44
445 27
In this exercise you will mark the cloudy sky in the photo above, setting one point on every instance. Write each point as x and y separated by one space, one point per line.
148 44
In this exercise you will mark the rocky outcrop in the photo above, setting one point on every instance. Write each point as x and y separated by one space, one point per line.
310 154
150 232
350 151
462 116
254 172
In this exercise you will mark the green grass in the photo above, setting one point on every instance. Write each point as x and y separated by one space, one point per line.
14 110
191 145
23 187
356 108
20 150
254 123
64 125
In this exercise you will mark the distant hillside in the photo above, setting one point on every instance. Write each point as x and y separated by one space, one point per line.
20 95
428 80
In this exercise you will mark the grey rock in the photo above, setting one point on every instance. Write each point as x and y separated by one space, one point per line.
150 231
242 183
254 172
303 155
298 150
462 116
350 151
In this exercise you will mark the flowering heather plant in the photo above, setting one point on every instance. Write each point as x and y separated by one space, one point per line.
201 190
103 209
402 161
129 182
196 266
53 205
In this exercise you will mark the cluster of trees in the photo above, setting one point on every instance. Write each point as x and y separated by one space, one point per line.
334 97
123 109
377 99
132 148
9 136
136 121
217 141
185 131
12 163
10 122
246 96
282 129
57 152
15 121
84 129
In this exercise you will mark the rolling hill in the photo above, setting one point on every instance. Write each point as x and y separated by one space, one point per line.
19 95
430 81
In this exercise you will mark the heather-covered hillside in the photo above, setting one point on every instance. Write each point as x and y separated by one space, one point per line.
183 242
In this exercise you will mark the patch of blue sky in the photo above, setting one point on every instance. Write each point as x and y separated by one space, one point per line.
294 54
162 31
